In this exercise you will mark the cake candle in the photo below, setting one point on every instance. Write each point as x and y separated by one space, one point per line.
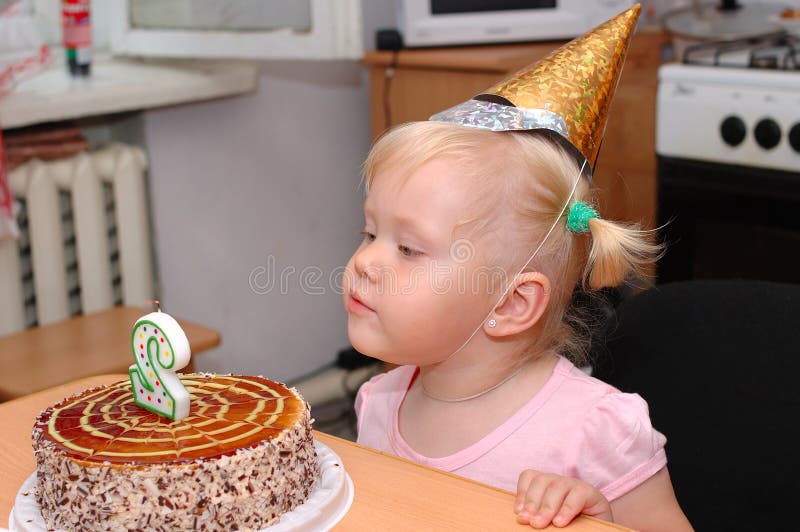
160 348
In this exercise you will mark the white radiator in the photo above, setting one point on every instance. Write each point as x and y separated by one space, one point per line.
85 223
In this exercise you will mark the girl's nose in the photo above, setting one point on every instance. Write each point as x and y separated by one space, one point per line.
365 263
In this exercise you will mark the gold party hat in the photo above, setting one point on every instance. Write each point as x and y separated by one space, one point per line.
568 92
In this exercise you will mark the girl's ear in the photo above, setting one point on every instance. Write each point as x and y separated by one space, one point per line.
522 306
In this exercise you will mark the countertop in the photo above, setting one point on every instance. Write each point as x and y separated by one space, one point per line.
122 84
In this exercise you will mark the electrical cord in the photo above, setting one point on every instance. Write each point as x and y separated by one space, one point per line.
387 89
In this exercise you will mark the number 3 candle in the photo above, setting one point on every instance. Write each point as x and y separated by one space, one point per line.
160 348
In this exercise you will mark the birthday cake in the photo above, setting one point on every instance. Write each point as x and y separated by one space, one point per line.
242 456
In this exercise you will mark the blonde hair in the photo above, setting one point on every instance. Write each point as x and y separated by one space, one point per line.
528 177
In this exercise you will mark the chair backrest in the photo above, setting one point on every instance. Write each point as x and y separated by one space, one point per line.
718 362
86 238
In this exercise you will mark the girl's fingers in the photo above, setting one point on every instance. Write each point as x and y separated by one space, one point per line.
536 489
552 501
578 498
543 499
523 483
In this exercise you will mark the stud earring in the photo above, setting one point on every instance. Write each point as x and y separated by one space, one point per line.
492 323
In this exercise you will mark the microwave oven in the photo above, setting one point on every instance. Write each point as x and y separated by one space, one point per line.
458 22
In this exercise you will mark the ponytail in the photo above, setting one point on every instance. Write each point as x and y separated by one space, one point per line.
618 252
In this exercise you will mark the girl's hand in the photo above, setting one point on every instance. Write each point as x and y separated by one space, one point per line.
543 498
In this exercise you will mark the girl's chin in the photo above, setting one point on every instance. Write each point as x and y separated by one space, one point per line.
367 342
371 350
361 344
394 359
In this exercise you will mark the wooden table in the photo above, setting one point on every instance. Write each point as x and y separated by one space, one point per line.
390 493
91 344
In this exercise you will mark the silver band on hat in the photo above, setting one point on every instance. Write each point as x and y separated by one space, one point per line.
493 116
499 117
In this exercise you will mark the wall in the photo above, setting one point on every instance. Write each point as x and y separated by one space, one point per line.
377 14
263 181
268 180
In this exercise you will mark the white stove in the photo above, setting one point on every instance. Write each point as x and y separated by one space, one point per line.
733 103
728 146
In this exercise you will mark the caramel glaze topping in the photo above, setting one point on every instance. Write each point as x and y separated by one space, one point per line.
228 412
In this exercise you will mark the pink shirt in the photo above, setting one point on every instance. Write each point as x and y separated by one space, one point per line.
575 426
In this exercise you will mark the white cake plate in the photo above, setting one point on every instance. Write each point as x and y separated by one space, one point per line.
328 502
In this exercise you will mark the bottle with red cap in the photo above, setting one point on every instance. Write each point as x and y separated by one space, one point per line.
77 36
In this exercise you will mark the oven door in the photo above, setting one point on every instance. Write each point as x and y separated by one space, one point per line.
728 222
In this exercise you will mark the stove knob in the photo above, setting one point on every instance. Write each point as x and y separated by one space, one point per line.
733 130
768 133
794 137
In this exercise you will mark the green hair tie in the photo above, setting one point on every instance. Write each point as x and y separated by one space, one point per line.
579 215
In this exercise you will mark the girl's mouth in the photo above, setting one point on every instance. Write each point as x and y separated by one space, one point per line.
356 306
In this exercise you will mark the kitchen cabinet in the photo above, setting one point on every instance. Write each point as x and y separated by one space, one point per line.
414 84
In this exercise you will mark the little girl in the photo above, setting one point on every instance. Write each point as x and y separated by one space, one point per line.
474 242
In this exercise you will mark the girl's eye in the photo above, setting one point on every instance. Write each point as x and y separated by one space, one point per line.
368 237
407 251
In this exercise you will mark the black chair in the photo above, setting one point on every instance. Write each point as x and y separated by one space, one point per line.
719 364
